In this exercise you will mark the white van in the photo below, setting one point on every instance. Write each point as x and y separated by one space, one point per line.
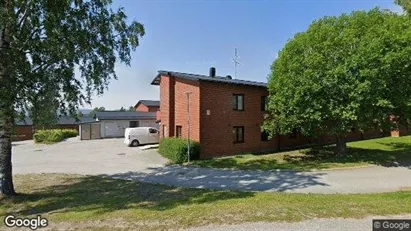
141 135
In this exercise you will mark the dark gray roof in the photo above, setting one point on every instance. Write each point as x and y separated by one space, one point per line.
149 103
61 120
196 77
125 115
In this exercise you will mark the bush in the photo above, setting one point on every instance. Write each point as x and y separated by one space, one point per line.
175 149
53 135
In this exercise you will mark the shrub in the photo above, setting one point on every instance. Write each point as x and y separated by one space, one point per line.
53 135
175 149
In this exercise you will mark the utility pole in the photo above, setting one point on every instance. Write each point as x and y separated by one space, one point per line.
188 126
236 62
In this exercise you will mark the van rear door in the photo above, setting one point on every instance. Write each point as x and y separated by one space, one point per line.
153 135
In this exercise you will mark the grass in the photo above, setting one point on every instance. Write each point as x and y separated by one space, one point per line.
92 202
383 151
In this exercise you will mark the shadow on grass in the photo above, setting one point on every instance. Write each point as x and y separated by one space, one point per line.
398 155
103 195
387 154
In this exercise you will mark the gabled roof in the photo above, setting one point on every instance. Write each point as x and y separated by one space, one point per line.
124 115
64 120
196 77
149 103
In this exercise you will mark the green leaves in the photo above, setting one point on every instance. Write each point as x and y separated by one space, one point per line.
343 72
49 41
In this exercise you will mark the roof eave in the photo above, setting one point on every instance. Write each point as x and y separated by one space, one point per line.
156 80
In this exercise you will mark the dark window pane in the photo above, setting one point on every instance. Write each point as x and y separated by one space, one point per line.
234 134
240 103
240 134
133 124
234 102
178 131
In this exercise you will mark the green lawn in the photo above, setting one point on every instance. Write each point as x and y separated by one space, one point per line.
384 151
85 202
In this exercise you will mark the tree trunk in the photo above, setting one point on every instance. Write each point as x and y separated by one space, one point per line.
341 146
6 177
6 114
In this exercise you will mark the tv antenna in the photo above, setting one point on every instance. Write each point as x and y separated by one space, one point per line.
236 61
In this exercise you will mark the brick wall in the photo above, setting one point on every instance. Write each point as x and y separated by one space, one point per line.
153 109
141 107
22 132
167 106
217 119
181 88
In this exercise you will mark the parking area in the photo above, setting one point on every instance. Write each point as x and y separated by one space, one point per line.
104 156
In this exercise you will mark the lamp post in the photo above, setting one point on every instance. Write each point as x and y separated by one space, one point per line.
188 126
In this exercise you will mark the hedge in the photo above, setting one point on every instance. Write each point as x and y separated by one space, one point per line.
175 149
53 135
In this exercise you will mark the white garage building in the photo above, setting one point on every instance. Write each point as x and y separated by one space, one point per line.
111 124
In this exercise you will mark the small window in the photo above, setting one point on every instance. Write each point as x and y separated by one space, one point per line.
133 124
238 134
153 130
264 103
293 134
265 136
238 102
179 130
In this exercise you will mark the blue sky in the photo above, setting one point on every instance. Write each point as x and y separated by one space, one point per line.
191 36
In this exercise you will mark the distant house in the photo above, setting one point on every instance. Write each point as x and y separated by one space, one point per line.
110 124
24 129
147 105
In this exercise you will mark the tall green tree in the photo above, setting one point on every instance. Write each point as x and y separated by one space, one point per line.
43 43
131 108
43 110
405 4
343 72
96 109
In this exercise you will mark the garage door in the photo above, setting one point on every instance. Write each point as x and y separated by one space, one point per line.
95 131
85 131
90 131
113 129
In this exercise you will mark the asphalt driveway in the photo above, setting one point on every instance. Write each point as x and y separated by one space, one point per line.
106 156
111 158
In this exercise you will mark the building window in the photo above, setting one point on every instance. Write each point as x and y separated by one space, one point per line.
265 136
179 130
238 102
164 130
264 103
293 134
238 134
133 124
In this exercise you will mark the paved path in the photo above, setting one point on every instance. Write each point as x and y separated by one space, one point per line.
108 156
361 180
335 224
112 158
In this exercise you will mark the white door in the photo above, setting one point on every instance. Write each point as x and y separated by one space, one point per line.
113 129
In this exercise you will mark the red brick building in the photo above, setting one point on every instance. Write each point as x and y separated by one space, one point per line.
226 114
147 105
